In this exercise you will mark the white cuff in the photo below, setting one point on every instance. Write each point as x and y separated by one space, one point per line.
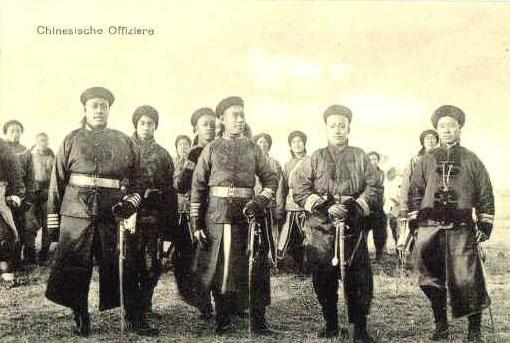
487 218
134 199
311 201
267 193
14 198
364 205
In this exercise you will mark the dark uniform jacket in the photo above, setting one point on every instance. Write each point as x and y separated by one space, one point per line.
328 172
42 162
156 178
106 153
184 192
25 161
229 162
10 170
448 183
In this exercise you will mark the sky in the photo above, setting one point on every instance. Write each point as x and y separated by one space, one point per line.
391 63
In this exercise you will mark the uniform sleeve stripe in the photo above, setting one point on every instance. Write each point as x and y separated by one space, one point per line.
364 205
311 201
194 209
267 192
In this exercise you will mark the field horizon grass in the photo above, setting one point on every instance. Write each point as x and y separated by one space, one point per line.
403 316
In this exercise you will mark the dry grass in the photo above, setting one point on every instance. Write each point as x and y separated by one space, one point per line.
26 316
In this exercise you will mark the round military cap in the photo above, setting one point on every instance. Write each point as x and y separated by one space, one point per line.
204 111
97 92
338 110
297 133
375 153
11 123
147 111
263 135
426 133
181 137
448 111
228 102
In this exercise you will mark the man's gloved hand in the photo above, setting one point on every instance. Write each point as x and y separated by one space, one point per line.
194 153
483 232
13 201
25 205
338 211
255 206
53 225
199 236
127 206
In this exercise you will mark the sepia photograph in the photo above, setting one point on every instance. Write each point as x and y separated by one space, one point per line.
254 171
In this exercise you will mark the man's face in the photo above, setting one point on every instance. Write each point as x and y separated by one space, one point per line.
374 160
448 129
429 142
183 146
233 120
42 141
206 128
96 112
337 129
145 127
264 145
13 133
297 145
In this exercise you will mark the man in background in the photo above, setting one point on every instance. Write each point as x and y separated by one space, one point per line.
13 130
42 163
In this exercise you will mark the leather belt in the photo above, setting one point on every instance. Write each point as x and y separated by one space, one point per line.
82 180
231 192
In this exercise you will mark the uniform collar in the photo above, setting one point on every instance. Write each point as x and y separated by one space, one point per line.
142 141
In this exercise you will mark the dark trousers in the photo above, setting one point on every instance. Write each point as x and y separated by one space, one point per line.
325 284
183 268
20 250
378 223
82 240
36 219
142 269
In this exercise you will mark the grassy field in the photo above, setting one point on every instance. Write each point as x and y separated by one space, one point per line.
26 316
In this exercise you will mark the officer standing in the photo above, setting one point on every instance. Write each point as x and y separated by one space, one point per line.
203 122
292 235
222 190
378 219
42 161
338 183
447 185
94 175
155 222
10 188
276 212
25 250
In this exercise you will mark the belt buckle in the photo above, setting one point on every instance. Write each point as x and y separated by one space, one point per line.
231 191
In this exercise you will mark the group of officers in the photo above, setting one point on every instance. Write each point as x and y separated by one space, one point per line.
206 200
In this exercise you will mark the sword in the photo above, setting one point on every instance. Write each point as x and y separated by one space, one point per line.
122 253
339 260
128 224
403 244
252 227
482 256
